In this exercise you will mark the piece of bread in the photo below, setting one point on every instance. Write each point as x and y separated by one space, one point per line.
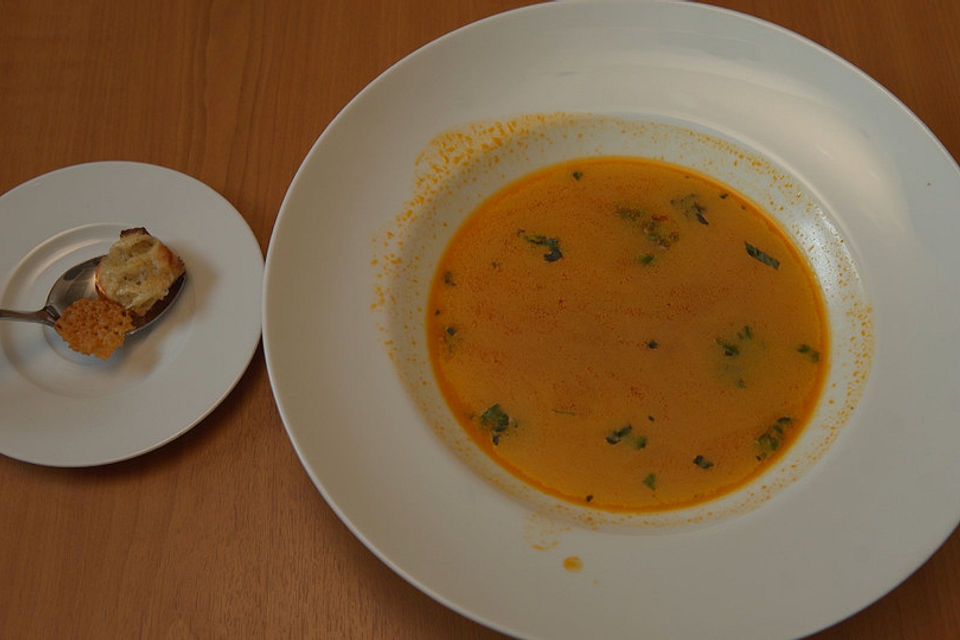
137 271
94 326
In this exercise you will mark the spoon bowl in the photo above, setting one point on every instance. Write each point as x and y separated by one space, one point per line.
80 281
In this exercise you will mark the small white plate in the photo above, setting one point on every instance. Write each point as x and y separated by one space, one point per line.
61 408
870 510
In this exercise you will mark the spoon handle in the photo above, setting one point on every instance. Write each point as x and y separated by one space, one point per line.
48 315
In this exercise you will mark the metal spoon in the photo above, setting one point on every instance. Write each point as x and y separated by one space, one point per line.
80 282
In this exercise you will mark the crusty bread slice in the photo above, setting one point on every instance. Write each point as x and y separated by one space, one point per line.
137 271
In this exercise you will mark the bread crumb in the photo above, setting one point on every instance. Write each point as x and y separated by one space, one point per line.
138 271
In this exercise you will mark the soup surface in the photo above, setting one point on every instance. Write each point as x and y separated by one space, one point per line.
627 334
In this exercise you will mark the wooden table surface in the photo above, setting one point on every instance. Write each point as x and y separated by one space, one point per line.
221 533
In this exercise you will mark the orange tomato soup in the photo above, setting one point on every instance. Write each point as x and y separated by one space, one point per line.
627 334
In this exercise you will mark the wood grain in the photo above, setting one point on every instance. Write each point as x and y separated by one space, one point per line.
220 533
